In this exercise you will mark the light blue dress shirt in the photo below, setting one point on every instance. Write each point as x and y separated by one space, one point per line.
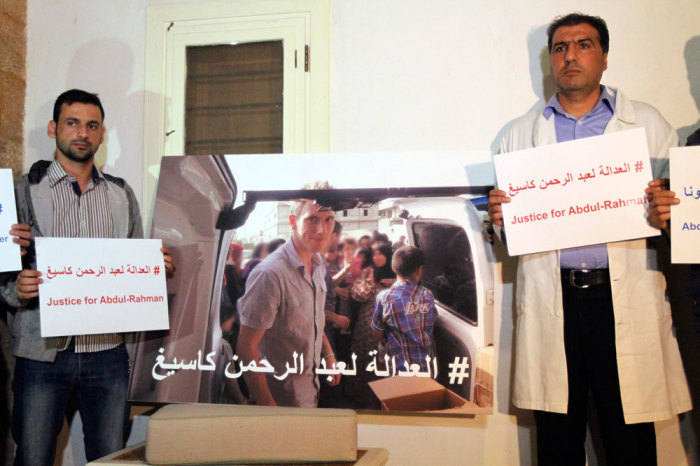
568 128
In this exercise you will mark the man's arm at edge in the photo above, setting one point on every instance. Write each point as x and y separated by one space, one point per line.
247 349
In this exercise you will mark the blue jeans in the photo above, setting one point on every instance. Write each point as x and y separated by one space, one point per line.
99 383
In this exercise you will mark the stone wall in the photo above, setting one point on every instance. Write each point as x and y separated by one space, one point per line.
13 52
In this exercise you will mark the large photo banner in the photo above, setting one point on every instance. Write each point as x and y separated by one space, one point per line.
576 193
226 221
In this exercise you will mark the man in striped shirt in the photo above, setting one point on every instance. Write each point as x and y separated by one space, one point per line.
69 197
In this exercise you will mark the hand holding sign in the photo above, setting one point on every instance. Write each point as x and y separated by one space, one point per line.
496 198
22 235
660 201
27 284
169 262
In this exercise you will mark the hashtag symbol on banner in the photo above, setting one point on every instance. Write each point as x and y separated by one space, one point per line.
459 370
156 270
638 166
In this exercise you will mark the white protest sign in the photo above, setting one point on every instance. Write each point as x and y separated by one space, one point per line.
685 217
10 258
101 286
576 193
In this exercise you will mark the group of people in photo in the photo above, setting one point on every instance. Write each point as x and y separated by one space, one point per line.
374 307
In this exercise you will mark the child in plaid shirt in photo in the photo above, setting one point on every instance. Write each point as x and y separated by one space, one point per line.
404 315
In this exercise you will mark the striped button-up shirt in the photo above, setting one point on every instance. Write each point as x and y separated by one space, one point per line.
82 214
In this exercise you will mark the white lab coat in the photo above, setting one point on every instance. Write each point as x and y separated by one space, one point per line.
652 381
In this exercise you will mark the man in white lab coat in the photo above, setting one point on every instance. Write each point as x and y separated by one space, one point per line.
594 318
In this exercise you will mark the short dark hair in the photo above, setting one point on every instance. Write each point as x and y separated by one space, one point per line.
379 238
407 260
76 95
574 19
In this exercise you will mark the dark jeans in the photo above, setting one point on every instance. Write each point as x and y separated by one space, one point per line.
589 338
42 390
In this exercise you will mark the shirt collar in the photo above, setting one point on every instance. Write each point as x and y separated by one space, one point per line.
605 98
291 253
57 173
406 281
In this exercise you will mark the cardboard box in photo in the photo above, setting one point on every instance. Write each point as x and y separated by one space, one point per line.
422 395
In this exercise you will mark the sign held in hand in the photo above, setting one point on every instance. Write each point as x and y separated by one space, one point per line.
101 286
576 193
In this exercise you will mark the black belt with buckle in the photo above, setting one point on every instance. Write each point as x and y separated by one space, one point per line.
584 278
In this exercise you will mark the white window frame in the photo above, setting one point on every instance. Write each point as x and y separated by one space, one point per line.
303 25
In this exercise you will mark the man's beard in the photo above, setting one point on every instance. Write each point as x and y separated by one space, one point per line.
72 155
